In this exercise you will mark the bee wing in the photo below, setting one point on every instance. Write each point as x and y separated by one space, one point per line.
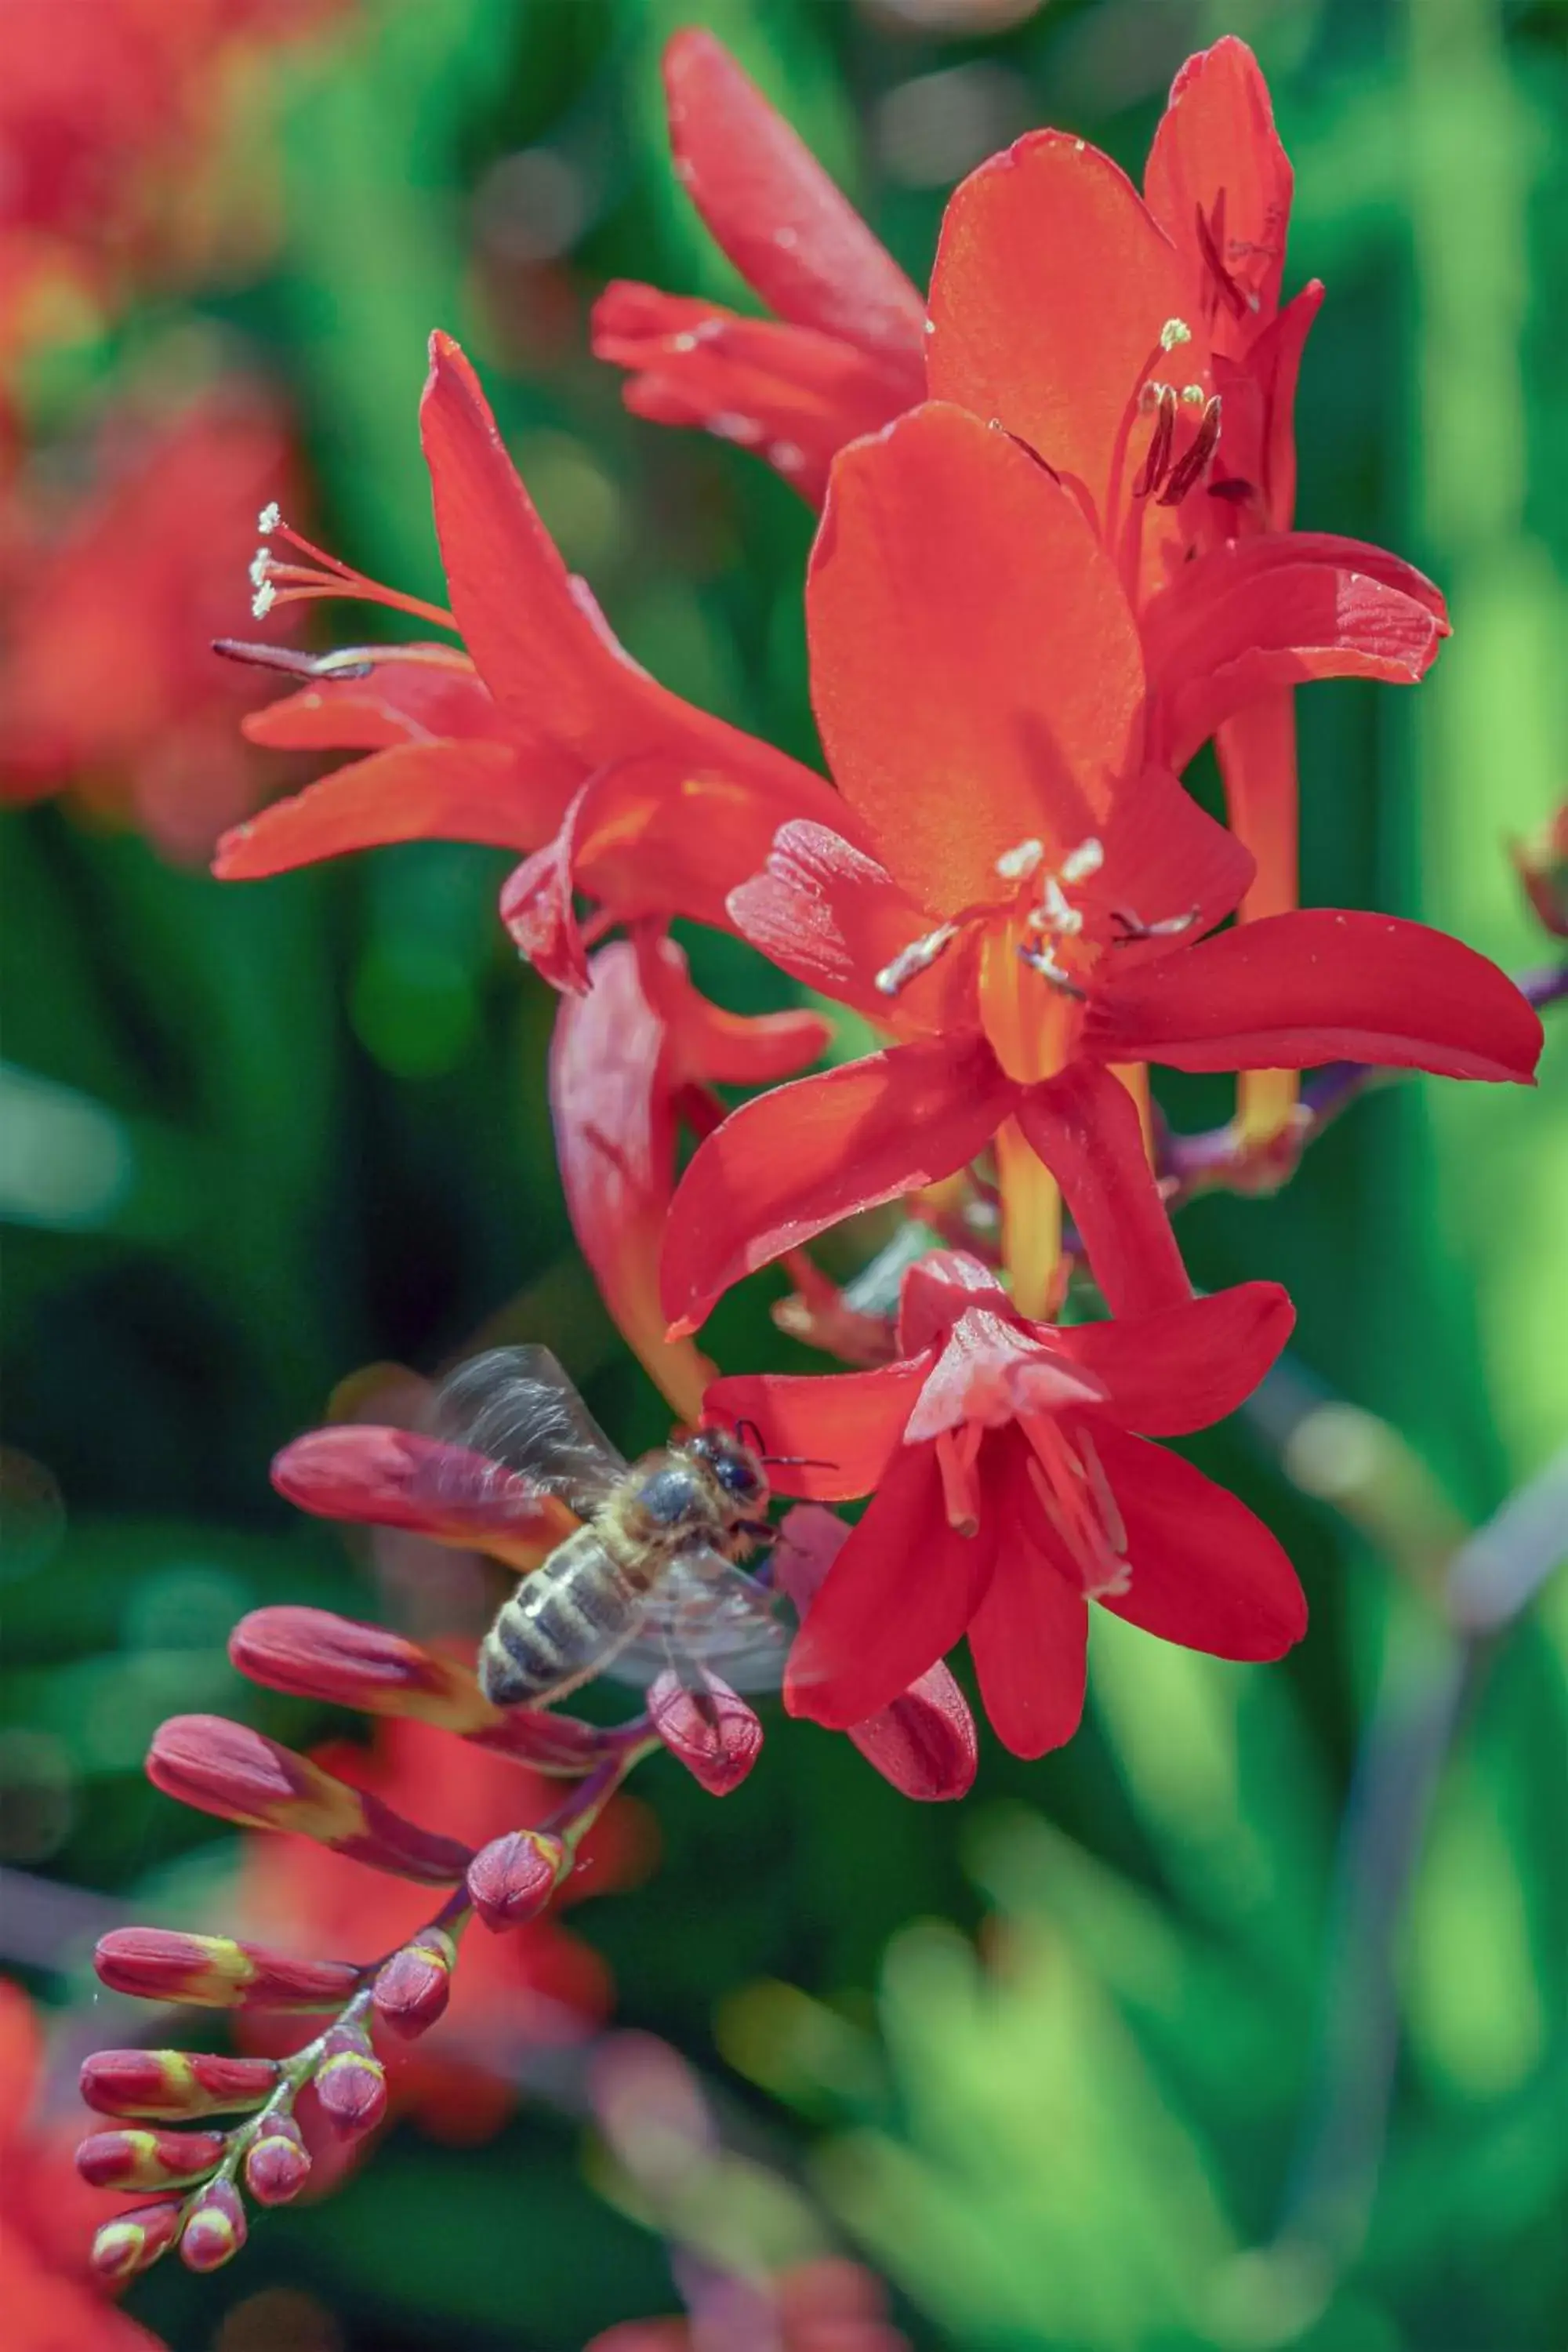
712 1613
517 1406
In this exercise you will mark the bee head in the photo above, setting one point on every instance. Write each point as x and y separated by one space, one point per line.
736 1467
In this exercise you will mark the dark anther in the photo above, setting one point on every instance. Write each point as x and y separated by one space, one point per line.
1157 463
294 665
1195 456
1131 928
1230 293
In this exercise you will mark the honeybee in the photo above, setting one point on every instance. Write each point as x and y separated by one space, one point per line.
650 1579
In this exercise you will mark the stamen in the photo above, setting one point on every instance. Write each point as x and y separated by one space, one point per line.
1017 864
955 1456
261 603
1043 960
1070 1480
282 583
1087 859
1156 463
1235 299
268 520
1175 331
910 962
260 565
1190 466
1054 912
1193 394
1132 926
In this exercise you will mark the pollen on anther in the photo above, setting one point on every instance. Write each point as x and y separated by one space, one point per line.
1175 331
1081 863
269 520
1193 394
261 603
1017 865
260 564
910 962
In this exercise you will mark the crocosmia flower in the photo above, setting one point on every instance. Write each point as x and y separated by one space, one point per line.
1011 1488
1038 891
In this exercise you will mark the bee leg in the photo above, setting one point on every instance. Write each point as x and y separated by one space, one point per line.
760 1531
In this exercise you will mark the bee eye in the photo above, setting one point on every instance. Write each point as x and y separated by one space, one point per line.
737 1477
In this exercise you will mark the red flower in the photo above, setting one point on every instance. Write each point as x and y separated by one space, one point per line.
849 354
52 2303
827 2306
543 731
1036 905
109 683
1009 1491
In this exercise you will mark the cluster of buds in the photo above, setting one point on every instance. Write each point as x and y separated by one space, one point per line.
166 2100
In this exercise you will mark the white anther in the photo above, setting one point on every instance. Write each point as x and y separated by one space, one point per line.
1175 331
269 520
1193 394
1017 864
787 455
260 565
731 427
910 962
687 342
1150 396
1044 961
261 603
930 326
1081 863
1055 913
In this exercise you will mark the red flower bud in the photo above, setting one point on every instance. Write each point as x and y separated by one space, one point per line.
1541 865
216 2230
176 2083
217 1972
133 2241
415 1985
224 1769
396 1478
514 1877
713 1731
278 2162
351 2084
924 1743
317 1655
149 2159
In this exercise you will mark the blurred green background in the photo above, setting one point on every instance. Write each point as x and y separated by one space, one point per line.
1096 2060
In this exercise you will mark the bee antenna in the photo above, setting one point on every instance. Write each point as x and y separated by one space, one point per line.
797 1461
747 1433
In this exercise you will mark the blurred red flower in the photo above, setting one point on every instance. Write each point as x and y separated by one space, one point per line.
1039 887
535 1985
829 2305
111 600
47 2214
1008 1491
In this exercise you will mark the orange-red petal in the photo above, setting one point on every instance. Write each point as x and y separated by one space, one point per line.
975 669
1217 159
417 792
1084 1126
1029 1636
1180 1368
1321 985
794 1161
848 1426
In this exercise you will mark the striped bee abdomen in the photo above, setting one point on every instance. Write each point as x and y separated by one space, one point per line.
561 1625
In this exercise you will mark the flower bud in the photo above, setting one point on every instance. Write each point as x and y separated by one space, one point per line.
149 2159
278 2163
133 2241
351 2083
925 1742
709 1727
224 1769
1541 865
215 2231
415 1985
396 1478
315 1654
166 2084
514 1877
217 1972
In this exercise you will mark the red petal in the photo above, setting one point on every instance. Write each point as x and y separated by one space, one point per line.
421 791
937 1290
849 1424
772 209
794 396
796 1161
734 1049
1164 858
1084 1125
834 917
1257 446
1052 286
975 670
1205 1571
1270 612
897 1598
612 1100
412 695
1296 990
538 904
1029 1640
1216 155
542 649
1183 1367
